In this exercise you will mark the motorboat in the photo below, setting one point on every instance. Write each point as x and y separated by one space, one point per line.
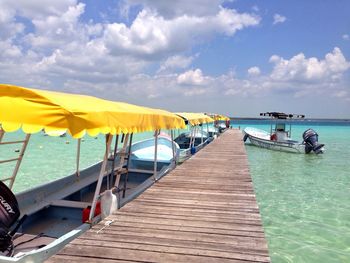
143 153
221 122
279 137
196 138
191 142
213 132
38 222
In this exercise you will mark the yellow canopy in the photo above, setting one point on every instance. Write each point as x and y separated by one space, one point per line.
195 118
221 118
34 110
218 117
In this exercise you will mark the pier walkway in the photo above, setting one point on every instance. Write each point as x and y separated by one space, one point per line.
203 211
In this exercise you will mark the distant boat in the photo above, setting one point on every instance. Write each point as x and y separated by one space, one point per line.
142 153
191 142
213 131
279 137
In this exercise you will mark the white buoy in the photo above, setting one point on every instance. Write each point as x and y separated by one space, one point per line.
108 203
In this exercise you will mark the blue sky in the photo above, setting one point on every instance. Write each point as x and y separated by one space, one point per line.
236 57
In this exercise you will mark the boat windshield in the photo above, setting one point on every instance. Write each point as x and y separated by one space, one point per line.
280 127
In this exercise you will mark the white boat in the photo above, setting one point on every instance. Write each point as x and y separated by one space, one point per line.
279 137
37 223
191 142
213 131
143 153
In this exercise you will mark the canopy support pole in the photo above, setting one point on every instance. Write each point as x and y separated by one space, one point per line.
2 132
202 133
100 177
119 169
115 150
127 165
155 154
78 157
192 131
173 145
19 161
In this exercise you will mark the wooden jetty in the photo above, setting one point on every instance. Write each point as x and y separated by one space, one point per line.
203 211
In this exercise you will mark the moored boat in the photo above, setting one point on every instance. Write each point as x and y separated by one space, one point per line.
143 153
192 141
279 137
37 223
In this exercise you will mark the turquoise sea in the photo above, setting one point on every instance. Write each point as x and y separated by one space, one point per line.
304 199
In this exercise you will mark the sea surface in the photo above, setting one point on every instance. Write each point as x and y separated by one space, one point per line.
304 199
48 158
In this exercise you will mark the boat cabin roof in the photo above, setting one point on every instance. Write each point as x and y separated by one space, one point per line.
282 115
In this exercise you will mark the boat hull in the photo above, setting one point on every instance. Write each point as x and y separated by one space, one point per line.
261 139
56 208
142 154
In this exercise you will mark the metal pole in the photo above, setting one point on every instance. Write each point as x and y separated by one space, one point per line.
192 134
78 157
2 132
155 155
173 145
115 150
202 133
127 165
21 154
100 177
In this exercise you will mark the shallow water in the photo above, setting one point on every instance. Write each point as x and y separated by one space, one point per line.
305 199
48 158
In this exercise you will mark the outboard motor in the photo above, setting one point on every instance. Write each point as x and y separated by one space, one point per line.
9 213
311 142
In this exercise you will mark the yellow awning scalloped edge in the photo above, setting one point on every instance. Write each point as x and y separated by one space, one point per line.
34 110
195 118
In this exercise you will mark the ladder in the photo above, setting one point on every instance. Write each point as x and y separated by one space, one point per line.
124 156
18 160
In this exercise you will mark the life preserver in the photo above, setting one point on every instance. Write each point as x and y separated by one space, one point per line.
273 137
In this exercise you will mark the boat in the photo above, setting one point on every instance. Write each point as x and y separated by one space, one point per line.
213 132
143 153
192 141
38 222
279 137
221 122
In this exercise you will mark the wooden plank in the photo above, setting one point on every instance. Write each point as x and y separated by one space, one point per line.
203 211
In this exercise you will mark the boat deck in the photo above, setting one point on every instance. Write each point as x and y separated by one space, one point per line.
203 211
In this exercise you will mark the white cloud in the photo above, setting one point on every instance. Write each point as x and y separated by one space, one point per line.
254 71
346 37
57 49
176 62
277 18
192 77
172 9
300 68
52 46
151 35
